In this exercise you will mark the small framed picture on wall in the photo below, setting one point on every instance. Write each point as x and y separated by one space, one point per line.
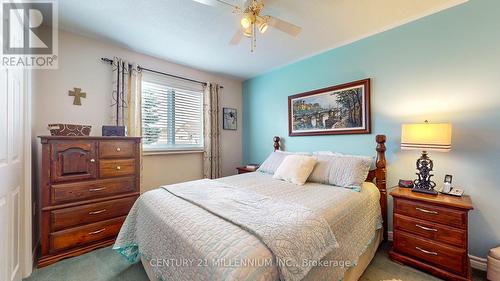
230 119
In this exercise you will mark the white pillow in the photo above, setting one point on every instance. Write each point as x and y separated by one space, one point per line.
341 170
317 153
321 171
274 160
373 163
349 172
295 169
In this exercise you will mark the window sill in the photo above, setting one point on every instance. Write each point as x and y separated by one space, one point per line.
169 152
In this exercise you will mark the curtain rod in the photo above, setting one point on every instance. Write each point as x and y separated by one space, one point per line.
110 61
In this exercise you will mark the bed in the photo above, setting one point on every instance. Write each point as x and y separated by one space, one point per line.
176 239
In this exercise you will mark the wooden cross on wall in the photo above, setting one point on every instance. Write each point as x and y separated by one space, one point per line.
78 94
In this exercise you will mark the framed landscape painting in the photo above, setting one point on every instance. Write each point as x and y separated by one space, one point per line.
338 110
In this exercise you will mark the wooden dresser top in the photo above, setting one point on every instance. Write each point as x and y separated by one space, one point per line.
463 202
87 138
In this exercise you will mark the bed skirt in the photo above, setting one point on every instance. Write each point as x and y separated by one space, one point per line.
353 274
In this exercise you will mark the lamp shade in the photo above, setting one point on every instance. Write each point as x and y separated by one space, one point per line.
426 136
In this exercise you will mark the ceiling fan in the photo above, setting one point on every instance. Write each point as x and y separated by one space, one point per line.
252 21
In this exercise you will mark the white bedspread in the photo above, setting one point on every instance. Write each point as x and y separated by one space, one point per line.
186 242
292 232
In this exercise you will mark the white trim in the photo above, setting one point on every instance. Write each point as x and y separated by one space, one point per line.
478 263
15 217
26 253
169 152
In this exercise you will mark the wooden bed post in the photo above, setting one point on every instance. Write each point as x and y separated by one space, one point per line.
380 179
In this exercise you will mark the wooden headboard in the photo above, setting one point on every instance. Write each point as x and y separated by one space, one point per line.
377 176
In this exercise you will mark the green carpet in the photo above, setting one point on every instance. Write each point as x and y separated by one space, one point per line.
107 265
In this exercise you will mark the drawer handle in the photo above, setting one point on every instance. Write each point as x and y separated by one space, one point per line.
426 228
92 160
118 149
96 189
427 211
427 252
97 212
97 231
118 167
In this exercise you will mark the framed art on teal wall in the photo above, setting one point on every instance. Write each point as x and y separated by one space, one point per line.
337 110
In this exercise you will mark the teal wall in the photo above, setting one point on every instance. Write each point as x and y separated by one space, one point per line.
445 67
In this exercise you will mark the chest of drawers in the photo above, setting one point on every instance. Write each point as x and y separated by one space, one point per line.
87 187
430 233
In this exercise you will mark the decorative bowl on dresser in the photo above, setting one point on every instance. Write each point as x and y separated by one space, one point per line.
430 233
88 185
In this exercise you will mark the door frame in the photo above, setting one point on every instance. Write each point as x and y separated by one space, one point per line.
27 251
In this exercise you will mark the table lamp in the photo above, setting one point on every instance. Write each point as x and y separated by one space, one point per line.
426 137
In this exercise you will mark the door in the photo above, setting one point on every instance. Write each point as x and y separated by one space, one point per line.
73 160
11 171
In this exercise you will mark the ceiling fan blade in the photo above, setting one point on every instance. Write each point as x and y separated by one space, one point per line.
236 38
217 2
284 26
207 2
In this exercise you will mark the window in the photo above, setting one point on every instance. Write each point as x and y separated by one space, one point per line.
172 114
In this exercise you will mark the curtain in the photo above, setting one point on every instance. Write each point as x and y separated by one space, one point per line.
119 96
126 99
134 113
211 155
126 96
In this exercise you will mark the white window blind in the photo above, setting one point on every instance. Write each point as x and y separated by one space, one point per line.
172 114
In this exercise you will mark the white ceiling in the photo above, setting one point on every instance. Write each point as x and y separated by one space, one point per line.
190 33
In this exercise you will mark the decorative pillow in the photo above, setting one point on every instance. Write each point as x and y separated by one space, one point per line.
341 170
295 169
349 172
274 160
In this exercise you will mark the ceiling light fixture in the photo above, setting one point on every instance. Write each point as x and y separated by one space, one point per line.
246 21
248 32
252 22
263 27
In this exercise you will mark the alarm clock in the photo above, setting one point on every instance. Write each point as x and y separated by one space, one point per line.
405 183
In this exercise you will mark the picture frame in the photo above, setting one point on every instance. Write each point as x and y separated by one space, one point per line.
229 119
448 178
336 110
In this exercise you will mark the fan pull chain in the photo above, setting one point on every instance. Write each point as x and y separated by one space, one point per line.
251 42
254 35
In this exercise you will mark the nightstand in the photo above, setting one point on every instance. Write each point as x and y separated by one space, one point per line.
430 233
243 170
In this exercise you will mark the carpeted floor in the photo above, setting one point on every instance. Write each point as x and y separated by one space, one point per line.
107 265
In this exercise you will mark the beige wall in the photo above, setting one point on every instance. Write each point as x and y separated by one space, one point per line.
160 170
80 66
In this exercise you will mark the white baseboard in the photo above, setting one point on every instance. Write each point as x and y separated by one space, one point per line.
475 262
478 263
